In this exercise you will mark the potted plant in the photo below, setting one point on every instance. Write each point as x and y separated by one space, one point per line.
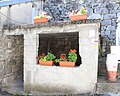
47 59
70 60
78 15
41 18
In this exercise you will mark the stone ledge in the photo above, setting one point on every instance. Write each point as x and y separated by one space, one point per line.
49 24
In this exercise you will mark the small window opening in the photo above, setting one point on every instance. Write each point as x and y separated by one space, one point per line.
59 43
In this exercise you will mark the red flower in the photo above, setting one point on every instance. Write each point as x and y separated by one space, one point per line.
73 50
62 56
43 55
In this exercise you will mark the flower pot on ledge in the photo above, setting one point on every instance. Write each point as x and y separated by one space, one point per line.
40 20
46 63
78 17
66 64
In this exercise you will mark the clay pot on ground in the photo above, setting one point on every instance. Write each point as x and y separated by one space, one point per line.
112 65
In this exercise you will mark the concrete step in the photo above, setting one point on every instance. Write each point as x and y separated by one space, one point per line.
15 87
106 88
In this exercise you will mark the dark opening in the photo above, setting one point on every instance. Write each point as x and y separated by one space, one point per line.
59 43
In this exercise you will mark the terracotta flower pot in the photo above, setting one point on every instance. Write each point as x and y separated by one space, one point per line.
112 76
66 64
40 20
46 63
78 17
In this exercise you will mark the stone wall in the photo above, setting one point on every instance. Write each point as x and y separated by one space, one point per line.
2 57
106 10
11 58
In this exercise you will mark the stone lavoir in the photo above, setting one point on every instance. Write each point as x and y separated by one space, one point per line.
58 37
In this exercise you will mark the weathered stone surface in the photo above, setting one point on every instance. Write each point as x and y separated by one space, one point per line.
2 65
104 88
109 16
13 58
104 11
109 27
106 22
12 62
1 74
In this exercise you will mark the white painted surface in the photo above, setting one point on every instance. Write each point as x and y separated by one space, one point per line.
112 62
17 14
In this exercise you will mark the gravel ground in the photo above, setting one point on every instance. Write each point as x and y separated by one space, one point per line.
7 94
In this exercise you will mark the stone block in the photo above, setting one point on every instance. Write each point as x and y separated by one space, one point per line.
109 27
110 16
95 5
107 33
90 11
2 57
1 74
112 34
8 69
15 68
104 11
118 14
103 28
106 22
110 5
97 10
12 61
8 79
1 65
95 16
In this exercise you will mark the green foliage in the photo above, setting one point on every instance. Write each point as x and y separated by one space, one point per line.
83 11
48 57
72 56
57 60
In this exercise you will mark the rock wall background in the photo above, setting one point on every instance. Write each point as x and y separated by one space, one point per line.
11 59
106 10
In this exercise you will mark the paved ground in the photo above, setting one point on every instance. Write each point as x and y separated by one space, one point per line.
5 94
18 86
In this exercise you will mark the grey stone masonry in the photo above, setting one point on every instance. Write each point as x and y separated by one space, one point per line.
11 59
2 57
108 10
